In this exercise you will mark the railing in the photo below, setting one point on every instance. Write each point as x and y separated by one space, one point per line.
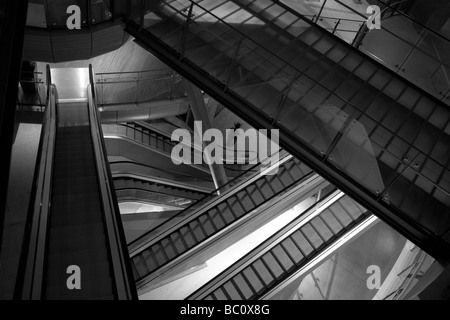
125 287
338 25
247 157
31 268
136 87
35 101
154 138
419 51
415 265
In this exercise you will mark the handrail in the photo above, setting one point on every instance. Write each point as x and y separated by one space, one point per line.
332 18
405 280
169 199
126 80
31 266
123 276
153 167
155 181
171 79
144 125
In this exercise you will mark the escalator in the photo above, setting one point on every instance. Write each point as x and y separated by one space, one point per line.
374 135
73 218
217 219
149 136
76 231
137 142
305 242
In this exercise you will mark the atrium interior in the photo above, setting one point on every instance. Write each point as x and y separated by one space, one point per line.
351 201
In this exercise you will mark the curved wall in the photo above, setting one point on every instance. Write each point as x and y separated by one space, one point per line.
67 45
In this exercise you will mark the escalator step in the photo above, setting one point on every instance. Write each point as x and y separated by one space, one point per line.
72 151
74 244
77 180
61 199
82 218
78 164
58 276
75 208
80 258
78 189
90 289
88 170
73 139
91 229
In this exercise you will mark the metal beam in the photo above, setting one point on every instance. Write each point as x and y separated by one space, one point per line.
200 113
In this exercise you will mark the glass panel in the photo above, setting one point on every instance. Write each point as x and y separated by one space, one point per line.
402 44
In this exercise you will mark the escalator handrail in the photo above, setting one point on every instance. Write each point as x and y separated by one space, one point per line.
29 284
121 264
156 168
156 181
164 134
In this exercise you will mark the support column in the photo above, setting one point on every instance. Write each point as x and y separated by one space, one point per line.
200 113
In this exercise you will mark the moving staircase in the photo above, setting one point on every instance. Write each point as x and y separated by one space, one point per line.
280 257
215 219
142 189
73 218
377 137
